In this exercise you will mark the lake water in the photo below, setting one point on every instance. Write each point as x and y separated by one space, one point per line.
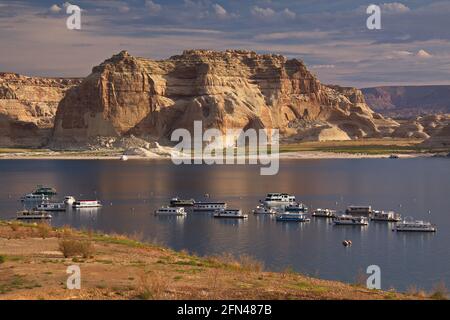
132 190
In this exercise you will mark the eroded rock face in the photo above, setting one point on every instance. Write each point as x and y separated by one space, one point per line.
28 107
233 89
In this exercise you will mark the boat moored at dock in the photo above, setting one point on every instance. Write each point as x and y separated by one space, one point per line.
296 208
414 226
33 215
349 220
230 213
170 211
86 204
386 216
209 206
264 210
324 213
292 217
278 199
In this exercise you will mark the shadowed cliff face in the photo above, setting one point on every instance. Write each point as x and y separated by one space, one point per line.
27 108
233 89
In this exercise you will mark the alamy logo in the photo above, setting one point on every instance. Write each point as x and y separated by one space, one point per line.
374 280
235 146
74 280
374 20
73 22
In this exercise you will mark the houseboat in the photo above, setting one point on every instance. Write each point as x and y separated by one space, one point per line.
292 217
387 216
69 200
209 206
414 226
49 206
230 213
278 199
31 197
296 208
170 211
324 213
32 215
47 191
86 204
264 210
349 220
177 202
359 211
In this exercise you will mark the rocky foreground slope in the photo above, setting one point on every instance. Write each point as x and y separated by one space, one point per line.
28 107
128 95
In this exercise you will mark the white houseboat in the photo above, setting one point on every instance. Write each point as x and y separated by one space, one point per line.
32 215
86 204
278 199
415 226
170 211
230 213
264 210
349 220
324 213
209 206
296 208
292 217
387 216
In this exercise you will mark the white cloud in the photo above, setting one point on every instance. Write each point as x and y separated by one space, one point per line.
262 12
220 11
55 9
153 7
394 7
289 14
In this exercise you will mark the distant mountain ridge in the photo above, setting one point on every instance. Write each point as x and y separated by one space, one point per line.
408 101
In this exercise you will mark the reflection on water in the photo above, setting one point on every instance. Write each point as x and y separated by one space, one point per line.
131 191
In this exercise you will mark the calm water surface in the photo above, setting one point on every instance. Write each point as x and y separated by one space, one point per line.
132 190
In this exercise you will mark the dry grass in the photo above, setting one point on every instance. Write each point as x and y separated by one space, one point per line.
416 292
72 248
44 229
153 286
440 291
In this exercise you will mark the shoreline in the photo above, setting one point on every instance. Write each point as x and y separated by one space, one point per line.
296 155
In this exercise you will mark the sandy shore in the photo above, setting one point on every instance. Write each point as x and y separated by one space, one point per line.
301 155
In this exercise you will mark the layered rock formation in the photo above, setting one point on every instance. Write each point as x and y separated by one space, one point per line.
408 101
127 95
28 107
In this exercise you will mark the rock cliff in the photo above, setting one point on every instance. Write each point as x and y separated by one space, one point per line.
28 107
128 95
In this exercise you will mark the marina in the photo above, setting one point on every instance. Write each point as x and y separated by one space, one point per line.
131 197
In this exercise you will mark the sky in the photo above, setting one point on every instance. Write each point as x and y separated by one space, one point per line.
331 37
